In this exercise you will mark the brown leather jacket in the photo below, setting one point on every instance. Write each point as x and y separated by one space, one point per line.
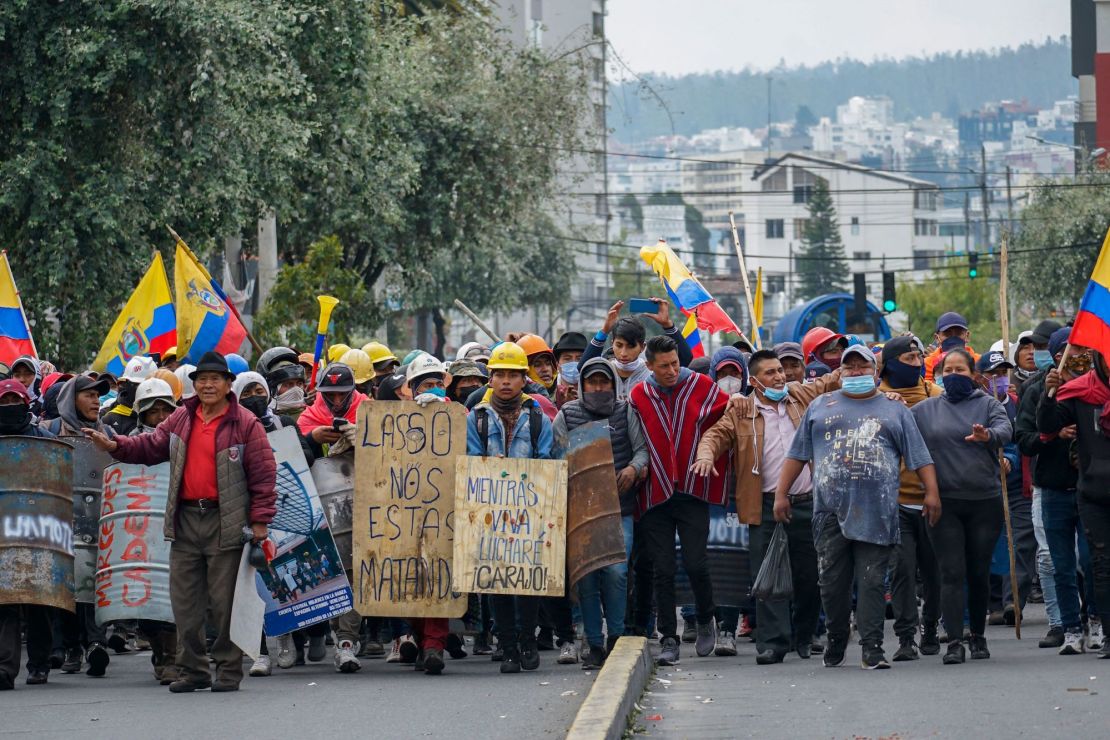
744 434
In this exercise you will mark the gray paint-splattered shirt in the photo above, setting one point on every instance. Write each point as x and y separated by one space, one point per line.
856 447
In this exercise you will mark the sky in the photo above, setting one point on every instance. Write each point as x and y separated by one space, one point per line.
682 36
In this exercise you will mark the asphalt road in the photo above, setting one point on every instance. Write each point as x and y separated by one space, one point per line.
470 700
1022 691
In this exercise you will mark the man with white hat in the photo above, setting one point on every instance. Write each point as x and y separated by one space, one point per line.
121 417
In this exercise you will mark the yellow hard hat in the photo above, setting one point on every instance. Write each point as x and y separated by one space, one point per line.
336 351
360 363
171 352
508 356
378 352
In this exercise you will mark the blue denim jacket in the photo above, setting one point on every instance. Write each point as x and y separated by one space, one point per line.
522 438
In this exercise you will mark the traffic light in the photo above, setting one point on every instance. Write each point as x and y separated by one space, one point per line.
973 265
860 293
890 298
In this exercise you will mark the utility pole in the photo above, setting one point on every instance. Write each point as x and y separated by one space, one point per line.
1009 199
967 222
984 245
768 117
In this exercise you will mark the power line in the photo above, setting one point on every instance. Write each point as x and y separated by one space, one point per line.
861 191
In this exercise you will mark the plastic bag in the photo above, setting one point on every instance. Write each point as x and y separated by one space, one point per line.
774 581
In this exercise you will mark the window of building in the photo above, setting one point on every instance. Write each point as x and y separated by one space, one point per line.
599 24
805 182
855 225
774 228
925 200
775 284
861 256
599 205
775 182
927 259
800 227
599 69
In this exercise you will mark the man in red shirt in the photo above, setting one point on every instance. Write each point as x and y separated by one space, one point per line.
222 475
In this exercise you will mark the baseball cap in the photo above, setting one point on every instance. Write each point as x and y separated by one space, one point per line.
1059 340
949 320
789 349
859 350
992 361
14 386
1043 332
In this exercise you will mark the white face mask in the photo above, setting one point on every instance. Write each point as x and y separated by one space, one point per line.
628 367
291 400
730 384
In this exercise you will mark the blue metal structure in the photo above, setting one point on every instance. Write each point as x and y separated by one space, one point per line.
837 311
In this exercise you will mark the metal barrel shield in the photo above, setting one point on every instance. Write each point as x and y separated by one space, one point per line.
595 538
335 483
88 470
36 522
133 567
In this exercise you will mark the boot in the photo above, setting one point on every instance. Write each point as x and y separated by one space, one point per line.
167 642
930 643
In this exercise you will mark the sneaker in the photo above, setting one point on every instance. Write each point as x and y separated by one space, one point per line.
36 678
568 654
978 646
394 652
769 657
955 653
317 649
1054 638
118 643
1104 653
1073 643
456 648
906 650
726 644
689 630
72 663
593 658
409 650
874 659
286 657
816 647
834 654
996 619
1095 637
345 660
98 660
530 656
185 685
57 657
433 661
497 655
745 629
510 662
669 655
261 666
930 643
1009 616
707 639
481 644
1036 595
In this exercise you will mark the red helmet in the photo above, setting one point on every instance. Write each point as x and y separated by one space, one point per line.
816 338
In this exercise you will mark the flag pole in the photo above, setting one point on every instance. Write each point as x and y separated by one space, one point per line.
22 310
1004 316
250 337
744 275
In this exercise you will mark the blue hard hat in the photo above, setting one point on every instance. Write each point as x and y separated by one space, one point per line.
236 364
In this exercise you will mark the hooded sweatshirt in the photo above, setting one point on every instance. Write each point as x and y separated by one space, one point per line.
69 423
36 385
965 470
272 422
729 356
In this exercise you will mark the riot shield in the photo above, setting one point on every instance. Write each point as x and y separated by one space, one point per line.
595 538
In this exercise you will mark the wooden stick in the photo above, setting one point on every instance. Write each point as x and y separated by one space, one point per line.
477 321
744 275
1004 318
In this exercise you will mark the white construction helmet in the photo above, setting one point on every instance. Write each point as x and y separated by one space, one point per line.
151 391
423 365
182 373
139 369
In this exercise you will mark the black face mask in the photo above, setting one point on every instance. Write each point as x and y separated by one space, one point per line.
126 394
257 405
951 343
14 417
601 403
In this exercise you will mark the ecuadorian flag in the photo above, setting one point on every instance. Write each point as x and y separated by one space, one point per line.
685 290
146 325
205 321
692 336
1092 323
15 337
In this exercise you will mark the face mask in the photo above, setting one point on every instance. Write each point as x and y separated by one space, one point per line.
958 387
340 408
1042 358
108 397
952 343
126 394
14 417
775 394
257 405
1024 375
628 367
730 384
858 385
438 392
291 400
901 375
1078 364
600 403
568 373
833 363
1001 386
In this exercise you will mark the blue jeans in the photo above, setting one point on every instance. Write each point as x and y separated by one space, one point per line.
1044 563
1063 531
608 586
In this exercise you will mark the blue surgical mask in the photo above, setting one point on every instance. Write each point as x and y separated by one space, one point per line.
775 394
441 392
107 398
858 385
1042 358
568 373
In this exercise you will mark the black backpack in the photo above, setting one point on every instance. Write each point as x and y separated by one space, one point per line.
535 425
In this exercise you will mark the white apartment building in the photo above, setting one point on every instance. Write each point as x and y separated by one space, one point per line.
887 221
863 126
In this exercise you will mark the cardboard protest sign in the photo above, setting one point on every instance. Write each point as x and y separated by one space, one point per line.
510 526
133 563
248 609
305 582
404 509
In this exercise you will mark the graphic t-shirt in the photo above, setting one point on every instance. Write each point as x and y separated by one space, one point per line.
856 447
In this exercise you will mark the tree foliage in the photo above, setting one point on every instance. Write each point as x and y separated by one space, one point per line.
822 267
950 289
1055 250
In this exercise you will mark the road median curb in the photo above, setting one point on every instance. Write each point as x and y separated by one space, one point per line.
604 713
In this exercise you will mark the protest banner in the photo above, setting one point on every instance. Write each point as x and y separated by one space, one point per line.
133 558
305 582
510 526
404 509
